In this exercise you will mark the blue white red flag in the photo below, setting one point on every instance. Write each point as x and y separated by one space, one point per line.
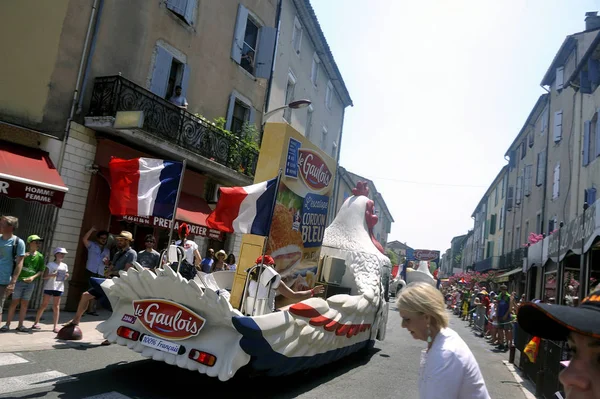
144 186
245 209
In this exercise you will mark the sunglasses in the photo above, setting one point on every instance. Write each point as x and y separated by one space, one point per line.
150 241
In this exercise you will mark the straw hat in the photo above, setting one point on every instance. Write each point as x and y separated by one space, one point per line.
126 235
221 252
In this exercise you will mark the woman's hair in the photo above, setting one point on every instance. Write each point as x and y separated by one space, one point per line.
425 299
231 256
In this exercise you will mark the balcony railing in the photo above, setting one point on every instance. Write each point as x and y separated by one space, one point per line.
112 94
513 259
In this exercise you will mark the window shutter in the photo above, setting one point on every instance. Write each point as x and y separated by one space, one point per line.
560 72
591 196
238 34
185 80
162 69
189 11
264 54
177 6
597 150
509 199
528 179
556 182
544 119
594 70
519 190
230 112
584 82
513 161
530 139
557 126
585 155
251 115
501 224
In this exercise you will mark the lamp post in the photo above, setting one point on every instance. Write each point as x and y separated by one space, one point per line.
583 278
293 105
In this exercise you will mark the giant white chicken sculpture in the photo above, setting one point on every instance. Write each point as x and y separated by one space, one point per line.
186 323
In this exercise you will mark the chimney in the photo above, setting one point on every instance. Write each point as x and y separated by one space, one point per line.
592 20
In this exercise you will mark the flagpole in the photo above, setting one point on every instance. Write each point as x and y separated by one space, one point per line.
176 203
264 252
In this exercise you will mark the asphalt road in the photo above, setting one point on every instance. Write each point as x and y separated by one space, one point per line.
389 371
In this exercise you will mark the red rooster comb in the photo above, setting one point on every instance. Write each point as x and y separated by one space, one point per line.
362 188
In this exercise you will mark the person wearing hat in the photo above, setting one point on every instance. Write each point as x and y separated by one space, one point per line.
125 256
580 327
220 264
190 248
33 267
56 273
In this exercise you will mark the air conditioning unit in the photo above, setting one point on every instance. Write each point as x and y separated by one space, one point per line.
333 270
212 192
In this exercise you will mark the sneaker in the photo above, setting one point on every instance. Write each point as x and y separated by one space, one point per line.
5 328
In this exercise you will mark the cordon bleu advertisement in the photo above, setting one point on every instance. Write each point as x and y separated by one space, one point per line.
300 214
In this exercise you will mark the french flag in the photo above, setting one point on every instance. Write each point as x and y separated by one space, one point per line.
245 209
144 186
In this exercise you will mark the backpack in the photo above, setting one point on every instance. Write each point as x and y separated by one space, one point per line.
15 246
186 269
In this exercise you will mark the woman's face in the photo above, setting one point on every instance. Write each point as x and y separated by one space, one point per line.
60 257
415 323
582 378
220 257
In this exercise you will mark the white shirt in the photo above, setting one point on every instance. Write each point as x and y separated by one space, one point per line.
56 283
449 370
179 101
189 248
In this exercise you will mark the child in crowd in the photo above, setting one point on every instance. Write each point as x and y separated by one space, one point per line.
33 267
56 274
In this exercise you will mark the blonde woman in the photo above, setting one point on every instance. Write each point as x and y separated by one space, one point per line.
448 368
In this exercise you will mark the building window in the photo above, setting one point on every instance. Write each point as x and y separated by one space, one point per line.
253 45
289 96
519 189
591 141
239 112
168 72
556 182
560 73
323 142
314 73
309 117
541 168
538 223
501 223
528 180
496 196
329 95
557 126
297 36
184 9
544 123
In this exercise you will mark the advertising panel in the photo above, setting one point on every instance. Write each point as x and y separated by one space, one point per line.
300 214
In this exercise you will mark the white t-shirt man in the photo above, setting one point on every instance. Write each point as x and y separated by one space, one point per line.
449 370
189 247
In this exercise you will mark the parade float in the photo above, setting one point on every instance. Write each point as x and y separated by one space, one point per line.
423 268
206 323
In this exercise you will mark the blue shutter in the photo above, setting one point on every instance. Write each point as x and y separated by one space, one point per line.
177 6
238 34
597 151
189 11
162 69
185 80
594 70
230 112
591 196
585 156
264 55
584 82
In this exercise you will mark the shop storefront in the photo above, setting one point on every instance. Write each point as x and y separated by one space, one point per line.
193 210
32 190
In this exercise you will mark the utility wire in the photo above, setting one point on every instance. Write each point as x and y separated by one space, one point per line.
424 183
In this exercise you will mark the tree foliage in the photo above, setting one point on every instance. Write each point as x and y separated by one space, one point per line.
392 255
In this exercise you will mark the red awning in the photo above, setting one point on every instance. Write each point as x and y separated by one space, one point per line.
191 210
29 174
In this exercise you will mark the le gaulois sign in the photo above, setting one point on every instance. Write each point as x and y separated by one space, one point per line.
166 319
426 255
313 169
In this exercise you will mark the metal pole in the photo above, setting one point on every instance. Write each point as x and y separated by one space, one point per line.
176 202
560 274
583 280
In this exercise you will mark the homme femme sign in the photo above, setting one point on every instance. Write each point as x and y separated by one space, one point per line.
31 192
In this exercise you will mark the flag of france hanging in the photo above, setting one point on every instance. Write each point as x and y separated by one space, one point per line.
144 186
245 209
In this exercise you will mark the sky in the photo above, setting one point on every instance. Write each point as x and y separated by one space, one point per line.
440 88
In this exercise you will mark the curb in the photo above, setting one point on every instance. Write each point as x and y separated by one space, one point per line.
526 386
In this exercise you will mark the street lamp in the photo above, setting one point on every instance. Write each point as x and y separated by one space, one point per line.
293 105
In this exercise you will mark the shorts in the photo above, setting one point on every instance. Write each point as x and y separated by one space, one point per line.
89 274
23 290
98 293
506 325
53 292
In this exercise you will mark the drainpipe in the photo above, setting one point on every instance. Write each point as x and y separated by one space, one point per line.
544 218
90 57
84 58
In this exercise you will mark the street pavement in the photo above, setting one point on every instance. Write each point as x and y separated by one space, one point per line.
84 370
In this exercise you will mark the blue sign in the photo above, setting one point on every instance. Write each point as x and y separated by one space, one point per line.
291 163
314 219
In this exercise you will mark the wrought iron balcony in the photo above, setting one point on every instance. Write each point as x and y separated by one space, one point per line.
166 121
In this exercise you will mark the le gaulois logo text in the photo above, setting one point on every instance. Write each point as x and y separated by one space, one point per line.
167 319
313 169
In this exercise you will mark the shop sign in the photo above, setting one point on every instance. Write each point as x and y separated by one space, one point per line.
167 319
571 235
29 192
426 255
155 221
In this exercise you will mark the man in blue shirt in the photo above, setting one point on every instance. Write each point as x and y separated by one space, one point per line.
10 266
